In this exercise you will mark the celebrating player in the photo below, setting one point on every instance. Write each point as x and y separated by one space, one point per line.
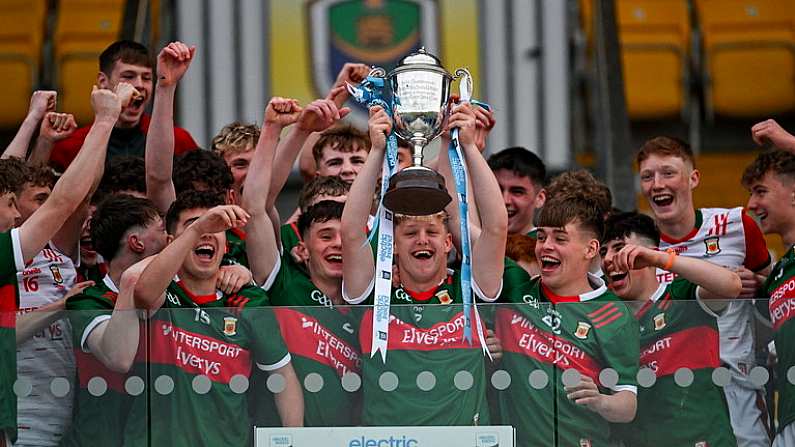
316 287
566 320
674 334
422 244
771 180
727 237
23 243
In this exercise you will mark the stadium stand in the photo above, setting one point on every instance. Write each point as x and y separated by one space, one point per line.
83 29
21 35
742 41
655 44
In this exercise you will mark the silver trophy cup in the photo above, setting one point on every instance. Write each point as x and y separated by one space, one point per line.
420 90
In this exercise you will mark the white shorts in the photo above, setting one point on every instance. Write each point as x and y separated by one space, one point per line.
747 419
786 437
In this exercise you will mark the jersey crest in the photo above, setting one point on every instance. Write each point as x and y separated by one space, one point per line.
659 321
712 245
230 326
444 297
582 330
57 278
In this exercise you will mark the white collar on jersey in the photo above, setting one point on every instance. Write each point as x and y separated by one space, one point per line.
599 288
658 293
109 283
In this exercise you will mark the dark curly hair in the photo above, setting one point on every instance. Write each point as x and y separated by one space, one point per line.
13 175
776 161
202 170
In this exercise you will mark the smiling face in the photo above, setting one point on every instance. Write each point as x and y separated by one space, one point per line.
421 246
139 77
629 285
238 162
345 164
321 250
521 197
667 182
565 255
773 202
204 260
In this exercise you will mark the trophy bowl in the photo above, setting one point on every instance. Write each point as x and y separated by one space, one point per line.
420 92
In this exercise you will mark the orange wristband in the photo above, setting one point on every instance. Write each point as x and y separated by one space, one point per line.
671 256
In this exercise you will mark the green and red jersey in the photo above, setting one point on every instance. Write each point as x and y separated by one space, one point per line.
780 287
678 331
10 263
546 335
321 339
218 337
236 248
97 420
426 334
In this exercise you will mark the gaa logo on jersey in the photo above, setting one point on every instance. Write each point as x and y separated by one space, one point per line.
712 245
56 274
230 326
659 321
582 330
487 440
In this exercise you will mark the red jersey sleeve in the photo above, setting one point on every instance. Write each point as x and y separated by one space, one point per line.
66 150
183 141
756 255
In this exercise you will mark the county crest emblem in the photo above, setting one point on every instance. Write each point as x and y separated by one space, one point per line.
712 245
582 330
56 274
230 326
659 321
444 297
373 32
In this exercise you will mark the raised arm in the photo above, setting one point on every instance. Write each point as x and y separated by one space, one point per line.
359 271
114 342
75 183
263 253
714 281
172 63
318 116
770 131
488 250
41 102
150 288
54 128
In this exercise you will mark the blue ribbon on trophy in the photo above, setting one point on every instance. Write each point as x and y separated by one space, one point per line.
370 93
458 168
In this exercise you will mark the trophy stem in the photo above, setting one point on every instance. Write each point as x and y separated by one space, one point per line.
416 157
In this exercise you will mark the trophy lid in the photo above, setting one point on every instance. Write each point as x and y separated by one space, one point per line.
420 60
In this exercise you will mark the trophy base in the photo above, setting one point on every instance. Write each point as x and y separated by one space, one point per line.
416 191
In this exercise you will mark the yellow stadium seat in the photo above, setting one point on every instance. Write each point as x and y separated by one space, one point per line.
82 31
655 44
749 53
21 37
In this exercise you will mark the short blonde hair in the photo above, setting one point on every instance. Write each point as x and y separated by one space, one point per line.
442 215
236 137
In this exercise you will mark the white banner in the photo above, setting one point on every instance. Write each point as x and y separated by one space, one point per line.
481 436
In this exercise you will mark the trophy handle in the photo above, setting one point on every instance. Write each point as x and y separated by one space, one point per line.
377 72
464 84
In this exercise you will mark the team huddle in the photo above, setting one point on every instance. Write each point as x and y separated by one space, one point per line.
161 282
